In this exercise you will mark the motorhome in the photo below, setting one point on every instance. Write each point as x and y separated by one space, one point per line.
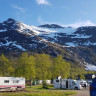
66 84
12 83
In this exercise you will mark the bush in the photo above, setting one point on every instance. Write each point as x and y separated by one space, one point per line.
44 85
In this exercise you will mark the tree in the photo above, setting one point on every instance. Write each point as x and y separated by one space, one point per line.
5 66
43 66
77 73
61 67
30 68
26 67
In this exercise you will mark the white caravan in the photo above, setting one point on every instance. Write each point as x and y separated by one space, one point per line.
12 83
41 81
66 84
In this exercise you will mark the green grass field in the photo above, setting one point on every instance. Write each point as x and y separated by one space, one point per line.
39 91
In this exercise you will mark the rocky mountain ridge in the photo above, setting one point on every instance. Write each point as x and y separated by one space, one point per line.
77 45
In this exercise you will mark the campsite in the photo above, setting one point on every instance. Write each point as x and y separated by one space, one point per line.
39 91
47 48
15 86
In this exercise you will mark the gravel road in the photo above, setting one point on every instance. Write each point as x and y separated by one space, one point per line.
84 92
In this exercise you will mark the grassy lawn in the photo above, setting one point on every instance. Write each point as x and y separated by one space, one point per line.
39 91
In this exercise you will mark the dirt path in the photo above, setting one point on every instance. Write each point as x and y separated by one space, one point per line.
82 93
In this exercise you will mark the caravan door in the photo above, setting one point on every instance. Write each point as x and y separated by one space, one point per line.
57 83
63 83
74 85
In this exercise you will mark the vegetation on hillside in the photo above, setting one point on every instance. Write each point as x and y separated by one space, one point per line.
39 67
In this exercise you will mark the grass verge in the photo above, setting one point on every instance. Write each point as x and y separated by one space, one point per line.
39 91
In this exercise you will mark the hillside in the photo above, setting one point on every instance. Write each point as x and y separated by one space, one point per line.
77 45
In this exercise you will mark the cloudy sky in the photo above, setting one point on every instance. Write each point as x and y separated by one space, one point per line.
36 12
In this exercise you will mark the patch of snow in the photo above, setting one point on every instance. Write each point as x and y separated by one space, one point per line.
68 31
71 44
51 35
55 33
28 28
6 44
13 43
65 30
44 31
3 24
90 67
32 36
3 30
19 46
81 36
33 45
89 43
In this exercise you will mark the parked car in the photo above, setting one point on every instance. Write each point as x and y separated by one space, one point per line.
93 87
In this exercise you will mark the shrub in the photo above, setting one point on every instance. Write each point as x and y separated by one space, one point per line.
44 85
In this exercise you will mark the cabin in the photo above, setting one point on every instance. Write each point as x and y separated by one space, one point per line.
12 83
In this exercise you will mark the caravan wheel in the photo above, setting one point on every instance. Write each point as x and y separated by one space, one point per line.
76 88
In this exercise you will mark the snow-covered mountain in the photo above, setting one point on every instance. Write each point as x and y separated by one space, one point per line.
68 36
77 45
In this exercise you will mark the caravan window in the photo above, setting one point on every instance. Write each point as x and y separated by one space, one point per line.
73 83
15 81
57 80
6 81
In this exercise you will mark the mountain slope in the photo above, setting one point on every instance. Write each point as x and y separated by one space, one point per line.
77 45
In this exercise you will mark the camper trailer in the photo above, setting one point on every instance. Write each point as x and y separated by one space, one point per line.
41 81
66 84
12 83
